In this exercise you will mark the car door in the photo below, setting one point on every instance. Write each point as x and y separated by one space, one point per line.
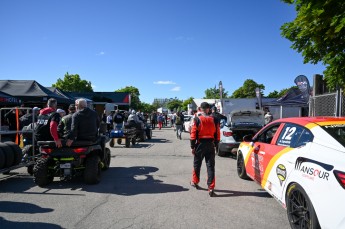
263 151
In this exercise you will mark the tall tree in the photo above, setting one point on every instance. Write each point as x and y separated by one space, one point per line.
214 93
134 92
248 89
186 102
73 83
318 33
174 104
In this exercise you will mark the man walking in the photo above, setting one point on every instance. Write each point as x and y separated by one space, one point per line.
204 137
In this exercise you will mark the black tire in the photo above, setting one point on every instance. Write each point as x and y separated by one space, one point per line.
17 152
2 159
127 142
92 172
133 141
143 136
41 172
30 169
111 143
9 155
149 134
219 152
107 158
300 210
28 150
241 168
119 141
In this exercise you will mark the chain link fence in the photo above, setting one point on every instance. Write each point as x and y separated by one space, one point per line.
325 105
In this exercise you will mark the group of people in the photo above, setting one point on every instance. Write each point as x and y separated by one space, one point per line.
52 124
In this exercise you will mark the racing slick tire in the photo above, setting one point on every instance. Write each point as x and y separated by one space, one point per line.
241 168
300 210
9 155
41 173
111 142
107 158
2 159
17 152
92 172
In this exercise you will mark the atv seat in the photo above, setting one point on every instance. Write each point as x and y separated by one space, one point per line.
63 142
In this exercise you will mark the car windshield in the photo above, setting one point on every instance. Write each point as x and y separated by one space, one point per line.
337 131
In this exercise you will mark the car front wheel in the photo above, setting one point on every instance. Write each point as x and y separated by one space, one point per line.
241 168
300 210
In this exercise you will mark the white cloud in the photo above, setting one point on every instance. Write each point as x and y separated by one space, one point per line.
164 82
100 53
178 88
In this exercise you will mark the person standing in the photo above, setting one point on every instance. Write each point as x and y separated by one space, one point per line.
47 124
110 121
160 121
64 127
179 125
153 120
204 137
268 117
118 120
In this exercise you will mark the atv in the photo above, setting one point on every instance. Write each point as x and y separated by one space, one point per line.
82 158
143 130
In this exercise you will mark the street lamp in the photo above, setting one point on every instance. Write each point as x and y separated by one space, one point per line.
221 95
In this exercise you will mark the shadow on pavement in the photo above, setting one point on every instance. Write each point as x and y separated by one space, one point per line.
19 207
9 224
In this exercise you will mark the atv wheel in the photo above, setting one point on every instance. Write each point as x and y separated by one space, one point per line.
41 173
149 133
127 142
107 158
92 173
142 136
30 169
111 143
133 141
119 141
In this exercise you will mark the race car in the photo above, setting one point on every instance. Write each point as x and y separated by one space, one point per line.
301 163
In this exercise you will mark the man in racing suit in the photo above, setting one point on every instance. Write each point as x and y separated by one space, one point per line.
47 123
204 137
85 123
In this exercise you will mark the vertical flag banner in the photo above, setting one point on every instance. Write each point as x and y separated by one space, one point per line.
302 83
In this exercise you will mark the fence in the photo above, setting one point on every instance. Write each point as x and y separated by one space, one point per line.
327 105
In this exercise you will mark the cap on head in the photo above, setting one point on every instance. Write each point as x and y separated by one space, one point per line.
36 109
214 108
204 105
60 111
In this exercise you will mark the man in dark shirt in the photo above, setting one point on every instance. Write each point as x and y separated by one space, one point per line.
64 127
85 123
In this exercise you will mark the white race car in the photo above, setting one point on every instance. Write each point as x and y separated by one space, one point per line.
301 163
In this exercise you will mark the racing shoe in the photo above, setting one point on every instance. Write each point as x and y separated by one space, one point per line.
211 192
196 186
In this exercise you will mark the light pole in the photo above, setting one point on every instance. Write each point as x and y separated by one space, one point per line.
221 96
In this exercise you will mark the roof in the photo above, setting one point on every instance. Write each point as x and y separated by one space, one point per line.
29 91
306 120
120 98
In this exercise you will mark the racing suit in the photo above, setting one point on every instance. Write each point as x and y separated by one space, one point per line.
204 136
47 123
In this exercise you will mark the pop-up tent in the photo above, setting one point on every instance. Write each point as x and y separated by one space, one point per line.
29 91
6 99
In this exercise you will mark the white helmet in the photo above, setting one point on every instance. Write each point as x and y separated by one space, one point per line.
133 111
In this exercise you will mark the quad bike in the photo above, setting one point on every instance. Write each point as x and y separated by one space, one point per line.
143 130
82 158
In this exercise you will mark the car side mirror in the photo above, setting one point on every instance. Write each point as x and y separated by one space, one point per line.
248 138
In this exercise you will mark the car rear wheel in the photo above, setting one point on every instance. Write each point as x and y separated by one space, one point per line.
300 210
241 168
219 152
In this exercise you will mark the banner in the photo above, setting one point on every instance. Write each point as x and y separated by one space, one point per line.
302 83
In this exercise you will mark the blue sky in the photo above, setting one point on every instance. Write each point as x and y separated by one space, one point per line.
165 48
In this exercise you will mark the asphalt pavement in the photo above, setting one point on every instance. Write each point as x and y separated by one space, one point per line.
147 186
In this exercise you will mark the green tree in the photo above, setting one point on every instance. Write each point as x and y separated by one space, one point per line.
146 107
214 93
174 104
318 33
247 90
186 102
134 92
73 83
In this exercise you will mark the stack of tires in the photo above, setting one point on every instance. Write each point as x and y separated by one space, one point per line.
10 155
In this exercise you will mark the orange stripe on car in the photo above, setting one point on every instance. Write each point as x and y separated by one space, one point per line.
272 162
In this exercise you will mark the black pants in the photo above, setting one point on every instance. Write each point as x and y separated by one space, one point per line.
205 150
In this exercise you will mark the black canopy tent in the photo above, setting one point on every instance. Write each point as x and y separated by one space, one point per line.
6 99
30 92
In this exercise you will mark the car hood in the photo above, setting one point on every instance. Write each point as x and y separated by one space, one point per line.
246 118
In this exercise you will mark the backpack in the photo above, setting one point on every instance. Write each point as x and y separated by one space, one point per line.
178 120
